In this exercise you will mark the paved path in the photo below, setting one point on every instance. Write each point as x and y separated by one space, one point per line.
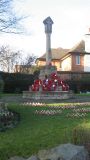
19 99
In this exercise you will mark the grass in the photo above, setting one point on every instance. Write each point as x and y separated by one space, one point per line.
83 94
10 94
35 132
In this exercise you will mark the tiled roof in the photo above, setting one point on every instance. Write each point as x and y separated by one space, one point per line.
60 52
79 47
56 53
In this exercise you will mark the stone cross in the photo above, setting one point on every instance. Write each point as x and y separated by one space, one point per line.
48 30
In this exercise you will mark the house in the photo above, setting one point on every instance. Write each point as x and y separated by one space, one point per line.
73 65
76 59
56 55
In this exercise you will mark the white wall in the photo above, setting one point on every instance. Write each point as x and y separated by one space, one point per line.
66 64
87 44
87 63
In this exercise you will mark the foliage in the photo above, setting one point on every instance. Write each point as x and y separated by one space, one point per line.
83 94
81 136
1 85
8 118
35 131
16 82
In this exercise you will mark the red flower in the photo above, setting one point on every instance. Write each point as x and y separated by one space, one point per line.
49 84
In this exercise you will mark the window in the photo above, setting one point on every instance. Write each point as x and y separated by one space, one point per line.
77 59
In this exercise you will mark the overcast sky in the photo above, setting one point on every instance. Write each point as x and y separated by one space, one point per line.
71 21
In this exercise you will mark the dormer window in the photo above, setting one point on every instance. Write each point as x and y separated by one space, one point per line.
77 59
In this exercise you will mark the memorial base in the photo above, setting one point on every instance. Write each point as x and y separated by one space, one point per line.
47 95
47 70
50 88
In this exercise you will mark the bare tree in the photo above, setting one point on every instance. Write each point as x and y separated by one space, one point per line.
29 60
8 59
9 22
27 64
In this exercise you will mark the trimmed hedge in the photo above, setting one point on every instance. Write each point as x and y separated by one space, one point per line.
16 82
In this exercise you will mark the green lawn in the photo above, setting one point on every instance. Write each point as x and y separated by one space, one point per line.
83 94
35 131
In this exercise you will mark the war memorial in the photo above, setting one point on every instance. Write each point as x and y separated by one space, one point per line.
48 86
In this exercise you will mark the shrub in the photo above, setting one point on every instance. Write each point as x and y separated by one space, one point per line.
81 136
1 85
16 82
8 118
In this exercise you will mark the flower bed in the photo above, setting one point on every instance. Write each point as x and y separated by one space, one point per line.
74 110
8 118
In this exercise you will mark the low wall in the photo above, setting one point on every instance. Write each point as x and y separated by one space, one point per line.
50 95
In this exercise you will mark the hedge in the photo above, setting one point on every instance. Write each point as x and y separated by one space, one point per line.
16 82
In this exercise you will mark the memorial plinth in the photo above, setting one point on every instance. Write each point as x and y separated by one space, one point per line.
47 95
48 88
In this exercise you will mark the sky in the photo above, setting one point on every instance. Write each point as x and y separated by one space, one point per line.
71 22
